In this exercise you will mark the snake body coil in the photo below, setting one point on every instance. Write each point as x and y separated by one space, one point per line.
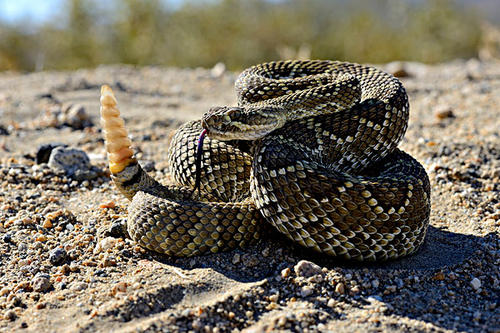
311 148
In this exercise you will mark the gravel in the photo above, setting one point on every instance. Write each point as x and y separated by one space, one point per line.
66 264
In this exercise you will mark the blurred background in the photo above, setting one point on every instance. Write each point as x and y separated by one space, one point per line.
69 34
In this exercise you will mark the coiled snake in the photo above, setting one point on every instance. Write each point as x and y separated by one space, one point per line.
310 149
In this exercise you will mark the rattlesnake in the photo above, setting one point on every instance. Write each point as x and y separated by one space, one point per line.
310 149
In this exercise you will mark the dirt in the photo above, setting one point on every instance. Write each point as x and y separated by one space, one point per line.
65 268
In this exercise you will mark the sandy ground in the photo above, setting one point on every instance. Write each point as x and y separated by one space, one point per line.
64 268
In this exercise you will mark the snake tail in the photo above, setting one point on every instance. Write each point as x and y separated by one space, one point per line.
126 172
171 219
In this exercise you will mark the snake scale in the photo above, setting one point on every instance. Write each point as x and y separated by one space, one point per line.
311 149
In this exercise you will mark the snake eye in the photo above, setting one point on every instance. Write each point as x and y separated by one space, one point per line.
234 113
226 120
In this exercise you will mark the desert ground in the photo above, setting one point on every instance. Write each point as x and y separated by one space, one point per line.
65 266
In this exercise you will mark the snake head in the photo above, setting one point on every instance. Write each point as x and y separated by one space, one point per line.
241 123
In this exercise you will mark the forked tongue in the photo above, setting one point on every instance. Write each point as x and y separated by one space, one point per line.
199 154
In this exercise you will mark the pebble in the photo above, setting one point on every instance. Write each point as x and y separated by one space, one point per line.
306 291
108 261
3 130
75 163
118 229
7 238
331 303
475 283
274 297
47 224
4 291
106 244
43 152
218 70
286 272
57 256
120 287
306 269
10 315
236 258
445 113
41 282
78 286
340 288
457 146
74 116
398 69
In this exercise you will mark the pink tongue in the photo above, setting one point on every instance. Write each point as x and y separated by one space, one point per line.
199 153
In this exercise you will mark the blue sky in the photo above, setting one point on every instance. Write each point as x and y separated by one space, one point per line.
39 11
36 11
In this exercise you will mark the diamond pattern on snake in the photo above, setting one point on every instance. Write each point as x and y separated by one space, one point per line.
310 149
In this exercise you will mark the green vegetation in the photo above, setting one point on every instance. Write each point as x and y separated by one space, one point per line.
86 33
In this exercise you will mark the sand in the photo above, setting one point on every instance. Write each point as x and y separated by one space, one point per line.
65 267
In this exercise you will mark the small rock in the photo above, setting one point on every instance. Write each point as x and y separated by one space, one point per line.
47 224
196 324
41 282
236 258
306 291
475 283
16 301
375 283
10 315
105 244
286 272
75 116
390 289
250 260
65 269
444 114
43 152
274 297
398 69
374 299
108 204
61 286
306 269
108 261
331 303
118 230
218 70
162 123
74 162
57 256
7 238
3 130
120 287
281 321
340 288
79 286
4 291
